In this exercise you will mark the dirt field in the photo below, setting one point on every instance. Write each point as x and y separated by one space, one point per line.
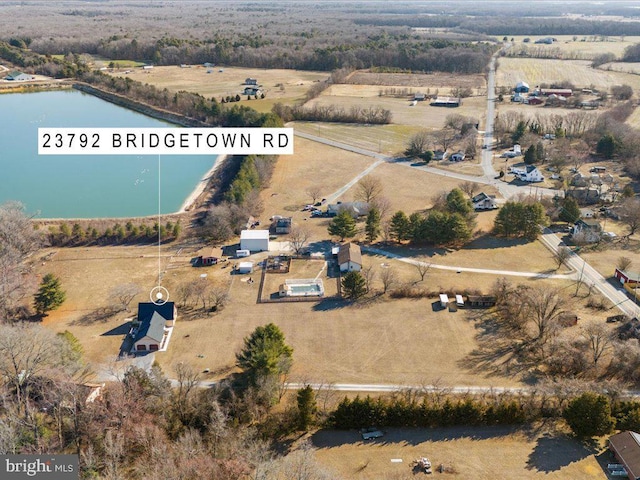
584 48
230 81
536 71
422 114
473 452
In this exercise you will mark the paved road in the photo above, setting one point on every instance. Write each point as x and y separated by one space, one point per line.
590 276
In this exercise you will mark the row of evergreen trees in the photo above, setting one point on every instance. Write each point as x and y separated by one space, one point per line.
65 235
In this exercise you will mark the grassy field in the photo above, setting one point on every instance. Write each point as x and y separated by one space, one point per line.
473 452
583 48
536 71
422 114
286 86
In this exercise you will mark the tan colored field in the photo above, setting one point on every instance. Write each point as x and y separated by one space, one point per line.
387 139
634 118
295 83
536 71
420 82
422 114
584 48
473 452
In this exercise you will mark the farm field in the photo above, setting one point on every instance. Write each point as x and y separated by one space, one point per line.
535 71
422 114
195 78
420 82
585 47
481 453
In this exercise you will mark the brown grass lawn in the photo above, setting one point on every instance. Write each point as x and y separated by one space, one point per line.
479 453
422 114
585 47
389 139
535 71
230 82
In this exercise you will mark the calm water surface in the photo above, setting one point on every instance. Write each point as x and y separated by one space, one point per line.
86 186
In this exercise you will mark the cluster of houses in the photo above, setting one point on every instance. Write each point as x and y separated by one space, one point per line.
522 93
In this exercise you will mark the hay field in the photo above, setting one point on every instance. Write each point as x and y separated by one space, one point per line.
295 83
536 71
479 453
422 114
585 47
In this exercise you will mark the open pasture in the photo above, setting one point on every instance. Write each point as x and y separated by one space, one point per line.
584 47
535 71
279 85
422 114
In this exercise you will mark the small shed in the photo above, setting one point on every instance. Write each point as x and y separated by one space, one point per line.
251 81
254 240
444 300
350 257
459 301
522 87
245 267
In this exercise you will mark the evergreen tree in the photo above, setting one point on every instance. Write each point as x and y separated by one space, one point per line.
354 285
607 146
530 155
521 129
49 296
569 211
589 415
400 227
265 354
372 226
520 220
540 152
342 225
307 407
457 202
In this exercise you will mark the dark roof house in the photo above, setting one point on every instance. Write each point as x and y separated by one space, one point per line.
152 320
626 447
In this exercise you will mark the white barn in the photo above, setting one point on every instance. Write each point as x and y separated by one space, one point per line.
254 240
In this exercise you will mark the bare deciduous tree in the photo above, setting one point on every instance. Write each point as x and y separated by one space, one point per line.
544 306
383 205
315 192
599 339
629 212
423 269
369 274
623 263
122 295
298 238
388 278
368 189
470 188
561 255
